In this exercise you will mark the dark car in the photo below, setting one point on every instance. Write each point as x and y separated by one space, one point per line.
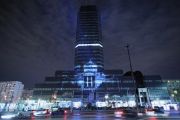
158 110
58 112
126 113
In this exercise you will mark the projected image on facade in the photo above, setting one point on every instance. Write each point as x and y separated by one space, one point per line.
90 77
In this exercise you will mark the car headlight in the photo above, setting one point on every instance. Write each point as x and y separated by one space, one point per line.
7 116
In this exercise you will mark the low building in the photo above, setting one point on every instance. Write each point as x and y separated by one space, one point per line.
115 89
27 94
10 91
173 86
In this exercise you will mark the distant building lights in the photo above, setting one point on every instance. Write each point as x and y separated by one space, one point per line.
93 45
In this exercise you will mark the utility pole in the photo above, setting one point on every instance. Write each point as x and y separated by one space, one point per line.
132 75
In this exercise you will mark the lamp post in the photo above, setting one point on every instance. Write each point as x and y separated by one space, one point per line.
132 75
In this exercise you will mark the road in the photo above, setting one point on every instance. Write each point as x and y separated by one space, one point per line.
109 117
104 118
112 116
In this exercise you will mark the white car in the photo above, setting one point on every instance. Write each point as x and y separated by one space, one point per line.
9 115
25 114
34 113
42 112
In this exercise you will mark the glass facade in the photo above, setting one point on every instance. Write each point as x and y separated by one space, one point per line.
88 45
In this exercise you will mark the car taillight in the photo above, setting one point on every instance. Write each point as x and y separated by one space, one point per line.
65 111
119 112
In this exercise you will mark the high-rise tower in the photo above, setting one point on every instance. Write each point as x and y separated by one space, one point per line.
88 45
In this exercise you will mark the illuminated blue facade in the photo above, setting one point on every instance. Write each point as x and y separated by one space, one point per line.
89 64
88 45
89 81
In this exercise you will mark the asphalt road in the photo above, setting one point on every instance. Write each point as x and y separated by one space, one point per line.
106 116
109 117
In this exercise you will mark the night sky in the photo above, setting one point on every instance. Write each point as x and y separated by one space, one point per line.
37 37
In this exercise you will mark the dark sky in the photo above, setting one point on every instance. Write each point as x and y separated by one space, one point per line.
37 37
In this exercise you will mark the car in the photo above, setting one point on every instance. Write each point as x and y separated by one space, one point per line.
34 113
118 113
26 114
158 110
9 115
149 111
41 113
58 112
125 113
